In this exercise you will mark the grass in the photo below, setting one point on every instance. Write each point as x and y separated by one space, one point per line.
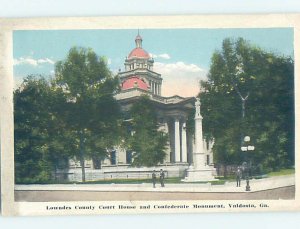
281 172
171 180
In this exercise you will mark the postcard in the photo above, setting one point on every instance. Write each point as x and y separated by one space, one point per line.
149 114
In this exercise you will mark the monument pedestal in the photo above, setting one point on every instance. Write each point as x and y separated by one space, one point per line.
203 174
199 171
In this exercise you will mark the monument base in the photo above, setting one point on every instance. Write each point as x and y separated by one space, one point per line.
203 174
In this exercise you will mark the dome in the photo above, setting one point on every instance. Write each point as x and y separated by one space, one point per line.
138 53
135 82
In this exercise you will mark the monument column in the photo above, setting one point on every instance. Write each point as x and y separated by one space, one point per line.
199 171
198 155
177 140
184 142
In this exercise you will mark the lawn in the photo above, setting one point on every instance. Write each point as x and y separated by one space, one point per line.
281 172
174 180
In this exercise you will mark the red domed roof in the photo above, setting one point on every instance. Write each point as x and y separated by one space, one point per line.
135 82
139 53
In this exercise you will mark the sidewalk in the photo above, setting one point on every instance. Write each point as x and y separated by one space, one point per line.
256 185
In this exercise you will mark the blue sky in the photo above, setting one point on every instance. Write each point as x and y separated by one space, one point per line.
182 56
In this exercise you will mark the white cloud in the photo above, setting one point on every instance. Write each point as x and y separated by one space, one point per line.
31 61
45 60
162 56
180 78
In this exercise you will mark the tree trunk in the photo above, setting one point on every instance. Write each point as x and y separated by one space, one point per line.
225 170
81 148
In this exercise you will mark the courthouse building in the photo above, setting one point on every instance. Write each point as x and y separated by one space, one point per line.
137 79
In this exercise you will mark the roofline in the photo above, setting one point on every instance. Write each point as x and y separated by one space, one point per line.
156 98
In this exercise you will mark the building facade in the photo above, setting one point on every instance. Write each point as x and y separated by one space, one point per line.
137 79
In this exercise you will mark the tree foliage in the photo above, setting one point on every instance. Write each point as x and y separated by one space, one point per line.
73 115
144 139
265 81
40 136
91 110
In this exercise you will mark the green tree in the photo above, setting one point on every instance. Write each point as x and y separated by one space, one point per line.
91 111
144 139
250 92
39 135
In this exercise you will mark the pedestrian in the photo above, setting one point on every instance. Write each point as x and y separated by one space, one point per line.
154 178
238 177
162 178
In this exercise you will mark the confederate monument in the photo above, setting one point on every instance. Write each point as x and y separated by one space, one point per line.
199 170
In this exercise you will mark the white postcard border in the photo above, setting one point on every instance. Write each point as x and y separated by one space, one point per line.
10 207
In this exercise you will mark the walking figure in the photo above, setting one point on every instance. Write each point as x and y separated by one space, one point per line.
153 178
238 177
162 178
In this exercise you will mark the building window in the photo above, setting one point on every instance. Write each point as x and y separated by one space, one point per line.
96 162
207 159
128 156
113 158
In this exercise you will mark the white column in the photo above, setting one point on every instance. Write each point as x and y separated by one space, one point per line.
183 142
168 148
117 156
152 86
177 141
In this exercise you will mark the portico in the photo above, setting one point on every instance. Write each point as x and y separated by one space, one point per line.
178 139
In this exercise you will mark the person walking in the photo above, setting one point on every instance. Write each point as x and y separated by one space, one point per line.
162 178
238 177
154 178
